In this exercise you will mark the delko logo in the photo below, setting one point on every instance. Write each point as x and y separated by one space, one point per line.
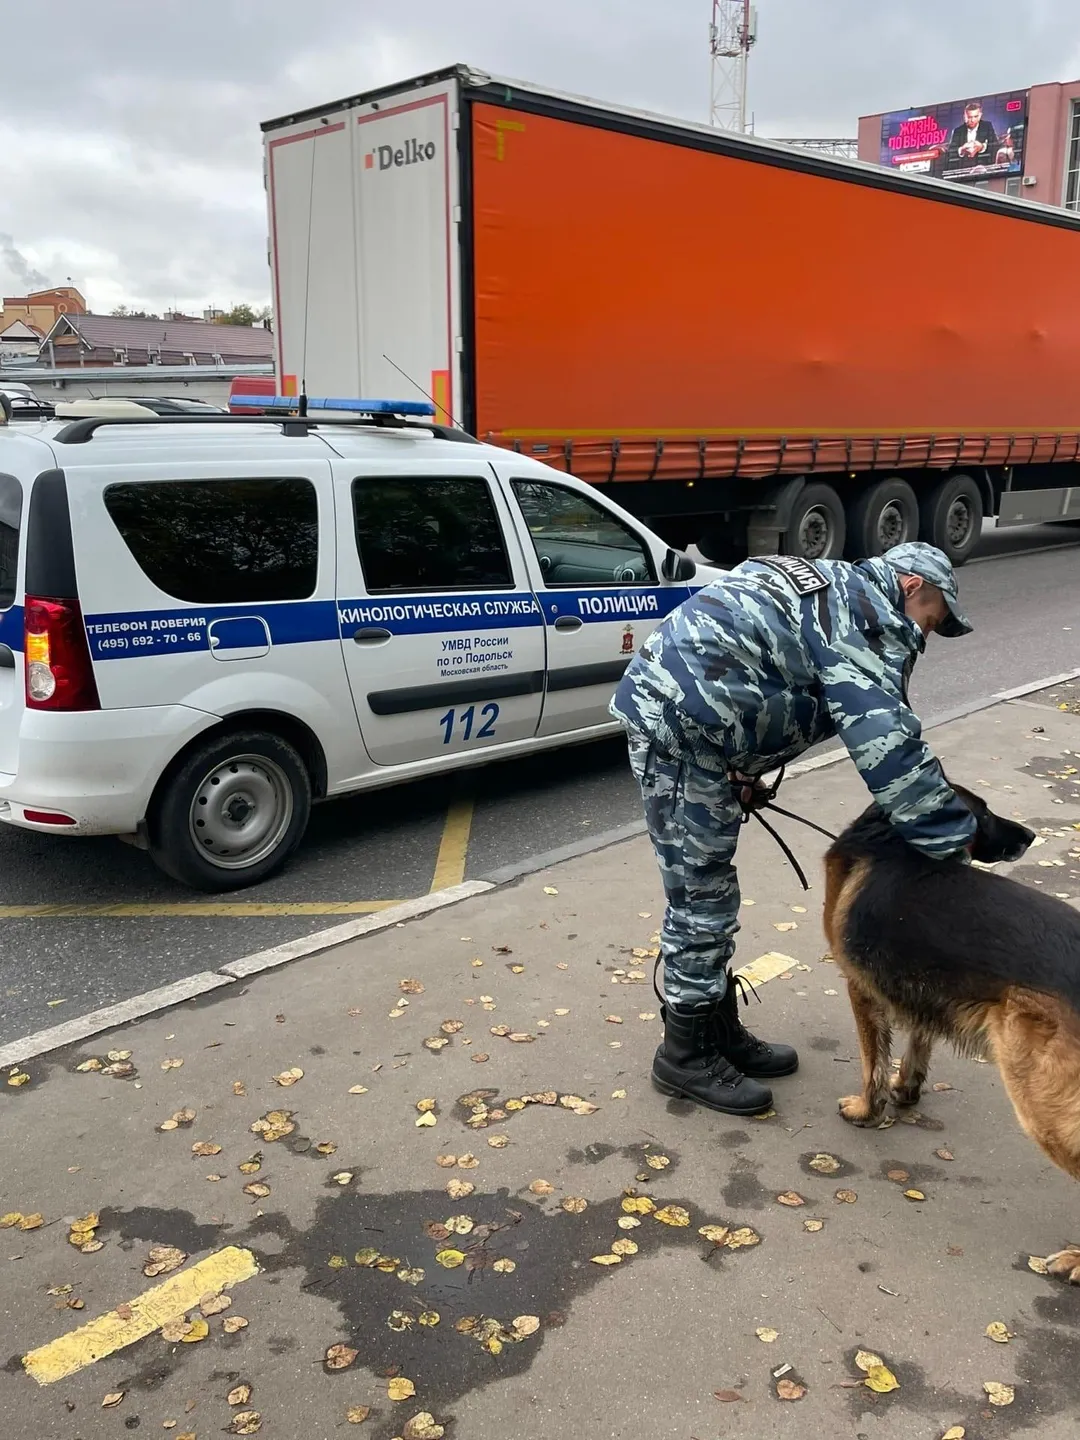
386 157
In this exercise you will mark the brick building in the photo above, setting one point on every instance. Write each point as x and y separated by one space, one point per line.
26 316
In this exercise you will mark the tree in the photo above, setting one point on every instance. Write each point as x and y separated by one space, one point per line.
242 314
123 312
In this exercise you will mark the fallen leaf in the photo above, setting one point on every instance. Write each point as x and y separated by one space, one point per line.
343 1177
717 1234
742 1238
727 1397
954 1432
657 1162
846 1197
422 1427
18 1077
998 1332
503 1266
399 1388
497 1142
31 1222
467 1162
791 1198
638 1204
436 1042
340 1357
550 890
1038 1264
520 1037
450 1259
162 1259
541 1187
337 1262
914 1195
87 1065
245 1422
899 1177
573 1204
399 1321
9 1220
274 1125
238 1087
232 1323
446 1161
428 1318
999 1394
672 1215
197 1330
624 1246
460 1225
790 1390
326 1147
941 1085
767 1336
289 1077
171 1064
214 1304
881 1380
358 1090
118 1055
205 1147
238 1396
813 1225
426 1119
251 1165
944 1154
785 925
608 1259
628 1222
410 987
458 1189
113 1398
866 1360
120 1071
824 1164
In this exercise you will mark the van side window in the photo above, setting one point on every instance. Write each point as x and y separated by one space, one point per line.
10 522
437 534
579 542
221 541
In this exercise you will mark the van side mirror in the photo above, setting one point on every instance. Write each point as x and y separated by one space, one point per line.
678 566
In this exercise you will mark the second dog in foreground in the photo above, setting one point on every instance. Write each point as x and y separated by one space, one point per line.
952 952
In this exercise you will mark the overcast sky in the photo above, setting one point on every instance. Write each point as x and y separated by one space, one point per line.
129 129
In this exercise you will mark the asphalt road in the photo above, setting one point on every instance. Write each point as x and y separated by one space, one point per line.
395 845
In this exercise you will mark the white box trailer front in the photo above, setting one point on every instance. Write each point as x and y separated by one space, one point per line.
364 209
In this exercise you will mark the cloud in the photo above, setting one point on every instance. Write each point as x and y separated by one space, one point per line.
137 168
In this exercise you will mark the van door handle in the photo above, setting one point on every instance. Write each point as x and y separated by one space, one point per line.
568 622
7 658
372 635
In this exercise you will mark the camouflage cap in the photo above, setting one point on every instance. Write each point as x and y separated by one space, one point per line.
934 566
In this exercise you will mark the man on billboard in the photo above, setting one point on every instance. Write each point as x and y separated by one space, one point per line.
975 141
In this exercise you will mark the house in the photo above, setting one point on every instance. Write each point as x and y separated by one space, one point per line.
130 340
27 318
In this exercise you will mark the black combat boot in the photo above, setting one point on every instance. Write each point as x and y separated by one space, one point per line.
688 1064
759 1058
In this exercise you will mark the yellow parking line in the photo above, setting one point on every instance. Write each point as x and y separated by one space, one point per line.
767 967
222 908
168 1301
454 846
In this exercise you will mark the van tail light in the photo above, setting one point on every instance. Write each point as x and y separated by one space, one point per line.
59 671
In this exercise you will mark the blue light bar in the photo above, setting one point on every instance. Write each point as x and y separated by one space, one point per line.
356 407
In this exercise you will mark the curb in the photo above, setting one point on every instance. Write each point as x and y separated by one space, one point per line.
137 1007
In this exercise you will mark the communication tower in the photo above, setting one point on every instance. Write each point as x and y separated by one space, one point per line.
732 34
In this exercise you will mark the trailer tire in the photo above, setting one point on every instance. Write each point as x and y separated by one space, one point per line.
817 526
881 516
951 516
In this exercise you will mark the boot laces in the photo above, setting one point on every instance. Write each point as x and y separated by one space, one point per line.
745 1037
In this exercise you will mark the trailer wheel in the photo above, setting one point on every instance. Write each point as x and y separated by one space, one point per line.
817 527
884 515
951 516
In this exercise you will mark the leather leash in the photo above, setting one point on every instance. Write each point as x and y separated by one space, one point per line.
767 803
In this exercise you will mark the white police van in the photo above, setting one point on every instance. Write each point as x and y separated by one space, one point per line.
208 623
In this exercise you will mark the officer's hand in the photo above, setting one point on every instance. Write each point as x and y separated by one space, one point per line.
753 794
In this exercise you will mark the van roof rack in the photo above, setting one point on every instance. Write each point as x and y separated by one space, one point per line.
78 432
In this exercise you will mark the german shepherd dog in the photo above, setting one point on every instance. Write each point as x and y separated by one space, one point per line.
949 951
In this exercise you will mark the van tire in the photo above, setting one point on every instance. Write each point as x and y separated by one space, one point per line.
215 839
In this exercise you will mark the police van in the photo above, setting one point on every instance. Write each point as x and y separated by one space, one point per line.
209 623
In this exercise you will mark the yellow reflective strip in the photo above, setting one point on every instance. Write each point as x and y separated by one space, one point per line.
167 1301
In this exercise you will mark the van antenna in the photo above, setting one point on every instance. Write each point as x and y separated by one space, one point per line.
404 373
307 266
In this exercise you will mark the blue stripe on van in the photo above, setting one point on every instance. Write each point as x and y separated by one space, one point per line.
126 634
11 628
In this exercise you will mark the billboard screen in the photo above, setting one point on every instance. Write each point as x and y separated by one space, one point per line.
974 139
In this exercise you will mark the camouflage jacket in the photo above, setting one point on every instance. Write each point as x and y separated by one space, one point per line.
750 673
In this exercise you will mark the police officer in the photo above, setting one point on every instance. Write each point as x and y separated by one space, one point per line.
752 671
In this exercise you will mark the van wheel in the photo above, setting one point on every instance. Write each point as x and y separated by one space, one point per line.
884 515
233 812
951 516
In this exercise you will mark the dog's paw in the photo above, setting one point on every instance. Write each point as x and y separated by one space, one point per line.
1065 1264
903 1094
856 1111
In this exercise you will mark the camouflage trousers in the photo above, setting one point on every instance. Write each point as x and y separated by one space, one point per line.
693 819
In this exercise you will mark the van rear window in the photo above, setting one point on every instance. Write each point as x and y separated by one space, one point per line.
220 541
10 523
